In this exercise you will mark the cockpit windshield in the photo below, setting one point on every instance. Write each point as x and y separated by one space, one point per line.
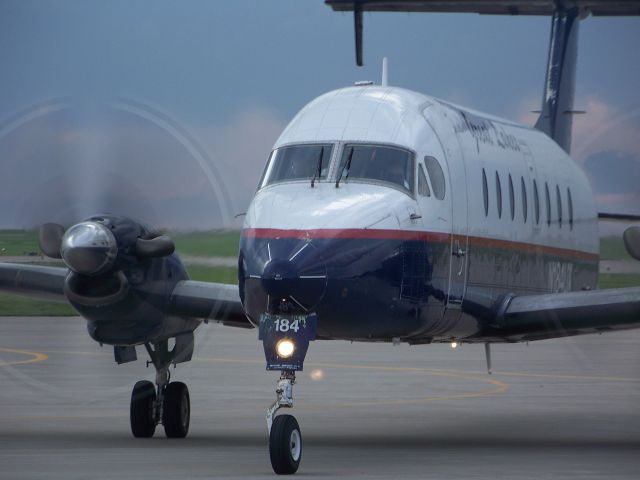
298 162
380 163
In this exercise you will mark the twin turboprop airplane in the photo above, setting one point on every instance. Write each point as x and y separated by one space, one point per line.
382 215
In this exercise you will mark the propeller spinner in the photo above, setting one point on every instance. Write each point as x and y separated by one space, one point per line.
89 248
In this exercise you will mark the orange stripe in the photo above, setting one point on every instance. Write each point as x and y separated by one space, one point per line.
378 234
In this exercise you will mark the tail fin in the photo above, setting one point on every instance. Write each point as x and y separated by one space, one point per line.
557 113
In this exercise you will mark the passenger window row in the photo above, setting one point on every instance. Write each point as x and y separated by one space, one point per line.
524 202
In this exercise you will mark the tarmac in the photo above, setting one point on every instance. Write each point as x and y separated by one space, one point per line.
564 408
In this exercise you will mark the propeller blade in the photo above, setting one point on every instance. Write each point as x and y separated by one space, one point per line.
50 239
160 246
631 238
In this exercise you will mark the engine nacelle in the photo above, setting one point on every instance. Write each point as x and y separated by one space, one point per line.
121 281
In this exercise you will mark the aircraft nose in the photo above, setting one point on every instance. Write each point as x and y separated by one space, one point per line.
286 271
279 277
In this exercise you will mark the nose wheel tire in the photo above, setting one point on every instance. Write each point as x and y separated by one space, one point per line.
285 445
143 396
176 410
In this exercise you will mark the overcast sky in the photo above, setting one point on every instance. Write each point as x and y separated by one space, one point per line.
166 110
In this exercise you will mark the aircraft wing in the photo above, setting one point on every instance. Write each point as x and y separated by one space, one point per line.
536 317
36 281
210 301
491 7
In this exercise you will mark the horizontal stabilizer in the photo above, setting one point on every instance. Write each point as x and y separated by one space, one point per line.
491 7
618 217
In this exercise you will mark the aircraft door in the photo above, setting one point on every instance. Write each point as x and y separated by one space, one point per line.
457 196
531 177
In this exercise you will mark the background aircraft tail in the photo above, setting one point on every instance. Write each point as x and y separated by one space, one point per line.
556 116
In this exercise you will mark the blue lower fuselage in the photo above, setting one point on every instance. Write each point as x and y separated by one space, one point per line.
380 285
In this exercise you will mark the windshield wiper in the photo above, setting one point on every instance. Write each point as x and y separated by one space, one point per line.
346 167
318 167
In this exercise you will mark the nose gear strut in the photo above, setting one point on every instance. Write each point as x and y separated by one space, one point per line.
284 395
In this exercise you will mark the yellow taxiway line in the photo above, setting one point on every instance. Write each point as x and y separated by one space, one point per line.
36 357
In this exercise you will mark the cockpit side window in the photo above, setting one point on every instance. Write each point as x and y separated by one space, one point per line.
380 163
298 162
437 177
423 185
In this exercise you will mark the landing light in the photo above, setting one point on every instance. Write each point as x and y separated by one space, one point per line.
285 348
454 344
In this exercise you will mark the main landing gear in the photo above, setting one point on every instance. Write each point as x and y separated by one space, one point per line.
285 440
166 403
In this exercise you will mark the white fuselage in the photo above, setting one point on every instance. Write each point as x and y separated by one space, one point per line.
502 230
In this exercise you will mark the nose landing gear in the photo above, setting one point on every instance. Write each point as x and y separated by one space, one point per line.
285 339
285 439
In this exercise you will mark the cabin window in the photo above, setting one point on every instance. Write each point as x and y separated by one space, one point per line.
570 205
379 164
536 202
523 187
512 200
437 177
297 162
548 200
499 194
559 200
485 193
423 185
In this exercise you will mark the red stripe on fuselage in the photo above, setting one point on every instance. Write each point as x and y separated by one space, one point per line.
377 234
373 234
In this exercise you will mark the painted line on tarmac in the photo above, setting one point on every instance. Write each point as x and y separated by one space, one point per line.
499 387
434 371
562 376
36 357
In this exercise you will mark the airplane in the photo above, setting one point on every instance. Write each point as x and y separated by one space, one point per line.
382 215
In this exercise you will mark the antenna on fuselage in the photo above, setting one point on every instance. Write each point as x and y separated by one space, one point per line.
385 72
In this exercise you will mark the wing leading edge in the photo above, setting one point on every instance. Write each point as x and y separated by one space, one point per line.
536 317
213 301
35 281
210 301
